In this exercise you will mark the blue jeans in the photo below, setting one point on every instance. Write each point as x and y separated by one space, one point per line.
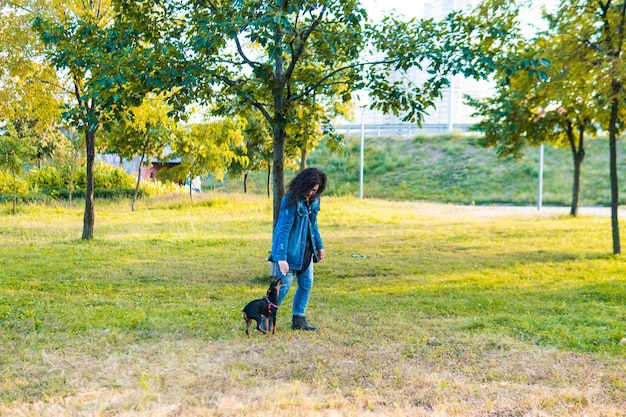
303 292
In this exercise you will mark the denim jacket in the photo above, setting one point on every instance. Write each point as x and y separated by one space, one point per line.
290 233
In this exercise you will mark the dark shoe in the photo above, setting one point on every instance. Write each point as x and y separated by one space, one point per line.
299 323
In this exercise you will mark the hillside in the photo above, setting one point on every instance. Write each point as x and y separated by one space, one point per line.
452 170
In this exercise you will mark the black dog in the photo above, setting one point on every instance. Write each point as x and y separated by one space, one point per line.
263 307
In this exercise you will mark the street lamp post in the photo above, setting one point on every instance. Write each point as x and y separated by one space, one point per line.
362 151
362 101
540 179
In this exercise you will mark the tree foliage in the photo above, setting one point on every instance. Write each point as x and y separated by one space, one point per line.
207 148
15 152
287 59
583 83
598 29
67 29
145 133
541 94
255 154
29 85
70 158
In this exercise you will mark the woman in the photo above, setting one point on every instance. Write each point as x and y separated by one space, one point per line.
297 243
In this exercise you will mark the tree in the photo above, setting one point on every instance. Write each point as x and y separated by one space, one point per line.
15 151
66 29
275 56
207 149
599 29
29 86
311 124
145 134
256 152
70 157
537 100
527 110
84 42
586 41
570 91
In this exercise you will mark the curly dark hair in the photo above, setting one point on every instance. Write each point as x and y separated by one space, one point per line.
304 182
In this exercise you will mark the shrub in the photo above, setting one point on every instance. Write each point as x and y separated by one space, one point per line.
154 188
6 184
110 182
108 177
46 177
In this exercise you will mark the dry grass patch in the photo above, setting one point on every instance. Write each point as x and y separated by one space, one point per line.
307 374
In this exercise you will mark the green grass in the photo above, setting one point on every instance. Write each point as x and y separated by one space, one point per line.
452 170
423 308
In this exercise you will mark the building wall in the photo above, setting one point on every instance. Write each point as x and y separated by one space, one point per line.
449 110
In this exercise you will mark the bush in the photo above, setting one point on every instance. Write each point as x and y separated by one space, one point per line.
154 188
108 177
47 177
112 194
109 182
26 198
6 184
105 177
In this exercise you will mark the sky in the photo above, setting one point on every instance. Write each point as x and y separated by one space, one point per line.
414 8
377 8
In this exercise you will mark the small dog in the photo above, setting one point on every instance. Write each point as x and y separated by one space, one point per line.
263 307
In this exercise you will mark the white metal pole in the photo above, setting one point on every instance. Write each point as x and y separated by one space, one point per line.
362 151
540 179
451 107
451 97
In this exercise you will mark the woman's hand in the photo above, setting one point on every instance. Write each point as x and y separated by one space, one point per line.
283 266
320 255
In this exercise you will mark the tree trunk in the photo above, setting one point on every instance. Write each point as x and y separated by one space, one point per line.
578 155
245 182
143 155
613 166
279 120
70 192
279 170
14 193
88 220
304 152
576 187
269 176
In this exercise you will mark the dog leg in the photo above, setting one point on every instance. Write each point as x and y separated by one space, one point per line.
248 323
258 326
267 324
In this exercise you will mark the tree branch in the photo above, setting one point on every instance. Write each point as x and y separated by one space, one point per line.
318 84
77 90
305 36
243 55
255 103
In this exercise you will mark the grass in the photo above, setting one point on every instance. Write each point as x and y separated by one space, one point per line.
424 309
453 170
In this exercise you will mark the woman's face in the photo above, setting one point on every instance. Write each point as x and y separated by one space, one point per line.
312 192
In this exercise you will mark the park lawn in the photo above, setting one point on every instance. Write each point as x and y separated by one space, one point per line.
424 309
